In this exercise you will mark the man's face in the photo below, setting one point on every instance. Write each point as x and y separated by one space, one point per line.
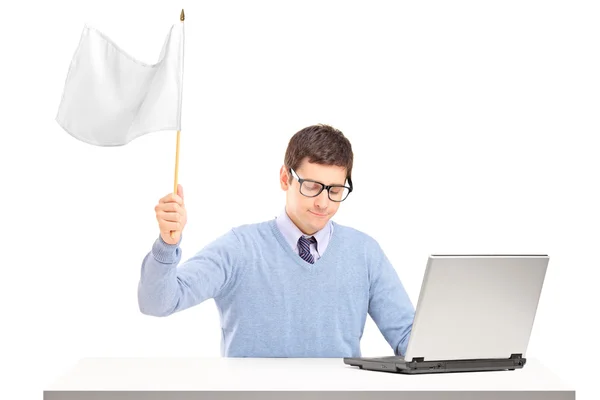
311 214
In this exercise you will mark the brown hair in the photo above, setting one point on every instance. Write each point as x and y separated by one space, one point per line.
322 144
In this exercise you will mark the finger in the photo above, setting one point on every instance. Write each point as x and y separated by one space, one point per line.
170 207
160 209
166 199
180 191
170 216
170 198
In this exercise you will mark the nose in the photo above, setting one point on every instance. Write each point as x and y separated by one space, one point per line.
322 200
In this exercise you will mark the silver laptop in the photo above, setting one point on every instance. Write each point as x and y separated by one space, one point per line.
474 313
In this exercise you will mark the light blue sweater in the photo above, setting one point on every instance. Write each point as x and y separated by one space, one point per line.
272 303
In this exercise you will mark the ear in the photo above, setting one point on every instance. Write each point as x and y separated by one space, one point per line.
284 178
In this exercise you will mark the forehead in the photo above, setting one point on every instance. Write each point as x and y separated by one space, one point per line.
327 174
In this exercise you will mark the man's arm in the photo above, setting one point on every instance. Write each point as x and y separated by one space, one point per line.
389 304
166 287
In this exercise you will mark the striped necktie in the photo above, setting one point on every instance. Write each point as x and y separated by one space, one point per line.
304 248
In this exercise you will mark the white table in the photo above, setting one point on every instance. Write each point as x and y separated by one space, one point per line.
290 378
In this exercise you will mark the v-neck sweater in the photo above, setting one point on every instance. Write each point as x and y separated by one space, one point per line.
272 303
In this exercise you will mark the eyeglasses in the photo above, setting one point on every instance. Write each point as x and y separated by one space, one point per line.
310 188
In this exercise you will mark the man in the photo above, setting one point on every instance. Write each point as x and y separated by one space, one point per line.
299 285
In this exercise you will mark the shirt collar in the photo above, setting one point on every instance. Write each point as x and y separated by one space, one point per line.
292 233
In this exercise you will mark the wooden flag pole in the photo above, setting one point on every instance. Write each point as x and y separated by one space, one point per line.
181 18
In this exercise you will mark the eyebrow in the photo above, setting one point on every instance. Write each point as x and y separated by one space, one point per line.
331 184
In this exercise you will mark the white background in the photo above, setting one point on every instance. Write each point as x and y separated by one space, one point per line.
474 127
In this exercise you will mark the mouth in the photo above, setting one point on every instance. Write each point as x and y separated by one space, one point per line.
317 214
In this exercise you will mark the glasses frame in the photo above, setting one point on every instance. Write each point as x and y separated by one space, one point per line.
323 186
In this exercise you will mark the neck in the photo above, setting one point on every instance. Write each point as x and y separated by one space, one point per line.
297 223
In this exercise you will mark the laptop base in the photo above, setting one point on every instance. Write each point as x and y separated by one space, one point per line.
419 366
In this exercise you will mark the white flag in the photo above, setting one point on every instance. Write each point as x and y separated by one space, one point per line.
110 98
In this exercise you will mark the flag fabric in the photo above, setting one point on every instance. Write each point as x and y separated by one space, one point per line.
110 98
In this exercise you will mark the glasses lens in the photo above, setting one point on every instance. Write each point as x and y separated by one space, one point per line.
310 188
338 193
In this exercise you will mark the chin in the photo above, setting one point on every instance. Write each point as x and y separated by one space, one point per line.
321 224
